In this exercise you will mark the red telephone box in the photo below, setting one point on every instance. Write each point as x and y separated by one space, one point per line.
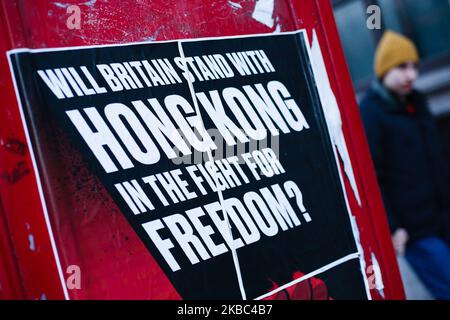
58 220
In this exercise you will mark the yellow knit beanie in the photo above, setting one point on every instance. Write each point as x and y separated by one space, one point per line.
393 50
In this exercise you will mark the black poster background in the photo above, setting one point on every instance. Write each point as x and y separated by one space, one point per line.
307 157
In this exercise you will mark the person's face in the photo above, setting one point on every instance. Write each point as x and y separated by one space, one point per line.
401 78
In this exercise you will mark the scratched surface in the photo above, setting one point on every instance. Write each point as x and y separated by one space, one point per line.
45 22
89 229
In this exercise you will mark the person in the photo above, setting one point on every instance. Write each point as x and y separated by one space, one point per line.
409 162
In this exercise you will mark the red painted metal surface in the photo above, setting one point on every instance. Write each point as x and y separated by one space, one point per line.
91 230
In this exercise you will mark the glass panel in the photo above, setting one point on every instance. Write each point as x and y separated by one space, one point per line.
430 24
356 39
389 13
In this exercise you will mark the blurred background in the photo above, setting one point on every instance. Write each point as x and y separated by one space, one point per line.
426 22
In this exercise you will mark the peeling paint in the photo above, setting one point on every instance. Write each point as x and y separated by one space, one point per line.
19 171
379 285
278 25
90 3
32 246
235 5
149 39
66 5
154 36
263 12
61 5
277 28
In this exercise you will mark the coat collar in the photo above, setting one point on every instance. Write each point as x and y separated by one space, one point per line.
391 103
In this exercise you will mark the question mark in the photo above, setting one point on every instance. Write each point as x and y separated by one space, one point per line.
292 190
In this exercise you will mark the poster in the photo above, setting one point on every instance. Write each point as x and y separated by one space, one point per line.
216 151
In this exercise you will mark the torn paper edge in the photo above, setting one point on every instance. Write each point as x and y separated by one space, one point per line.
333 119
331 111
263 12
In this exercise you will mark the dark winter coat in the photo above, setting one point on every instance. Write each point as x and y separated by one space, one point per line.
409 162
